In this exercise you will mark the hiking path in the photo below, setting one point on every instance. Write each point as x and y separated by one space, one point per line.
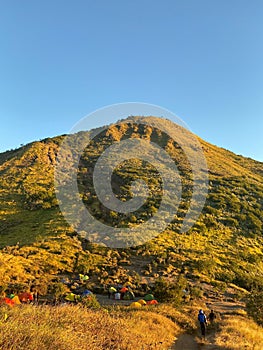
187 341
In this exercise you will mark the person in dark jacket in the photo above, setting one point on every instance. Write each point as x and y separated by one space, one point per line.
203 322
211 317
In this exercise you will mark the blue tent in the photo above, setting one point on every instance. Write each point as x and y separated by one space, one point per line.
86 293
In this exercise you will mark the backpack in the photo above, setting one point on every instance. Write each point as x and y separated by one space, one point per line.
202 318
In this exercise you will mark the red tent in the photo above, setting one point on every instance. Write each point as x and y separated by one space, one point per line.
7 301
25 297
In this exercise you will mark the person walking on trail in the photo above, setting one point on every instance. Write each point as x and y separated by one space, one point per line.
203 322
211 317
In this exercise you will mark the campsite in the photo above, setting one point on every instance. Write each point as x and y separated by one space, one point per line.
74 291
82 314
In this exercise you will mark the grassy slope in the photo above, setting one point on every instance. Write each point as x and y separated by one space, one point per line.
240 330
226 243
216 250
73 327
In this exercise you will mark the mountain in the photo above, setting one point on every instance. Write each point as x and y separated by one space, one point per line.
225 246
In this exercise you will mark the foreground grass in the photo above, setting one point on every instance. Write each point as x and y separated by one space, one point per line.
72 327
238 332
76 328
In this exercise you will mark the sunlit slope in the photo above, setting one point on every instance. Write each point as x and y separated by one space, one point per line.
27 200
225 244
28 206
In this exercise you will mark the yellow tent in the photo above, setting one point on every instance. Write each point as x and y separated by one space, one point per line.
73 297
16 300
142 302
136 305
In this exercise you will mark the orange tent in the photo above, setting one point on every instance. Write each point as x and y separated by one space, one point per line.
152 302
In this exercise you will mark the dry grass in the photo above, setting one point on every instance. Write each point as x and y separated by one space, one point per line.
185 318
238 333
69 327
72 327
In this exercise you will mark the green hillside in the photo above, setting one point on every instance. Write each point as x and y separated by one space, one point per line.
225 245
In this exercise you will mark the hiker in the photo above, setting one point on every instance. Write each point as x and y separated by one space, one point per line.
211 316
203 322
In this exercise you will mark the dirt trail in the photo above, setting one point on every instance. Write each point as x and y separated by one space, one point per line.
194 342
185 342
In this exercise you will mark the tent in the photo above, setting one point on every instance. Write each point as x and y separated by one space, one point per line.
148 297
124 290
112 290
16 300
152 302
136 305
129 295
83 277
25 297
72 297
7 301
86 293
142 302
117 296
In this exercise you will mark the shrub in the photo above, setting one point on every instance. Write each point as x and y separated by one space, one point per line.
90 301
58 289
170 291
255 306
196 292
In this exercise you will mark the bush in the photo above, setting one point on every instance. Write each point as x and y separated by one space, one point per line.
255 306
90 301
58 289
248 281
206 266
170 291
196 292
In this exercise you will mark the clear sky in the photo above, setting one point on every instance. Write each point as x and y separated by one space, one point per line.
201 59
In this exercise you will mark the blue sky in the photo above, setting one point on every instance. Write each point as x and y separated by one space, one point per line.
203 60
